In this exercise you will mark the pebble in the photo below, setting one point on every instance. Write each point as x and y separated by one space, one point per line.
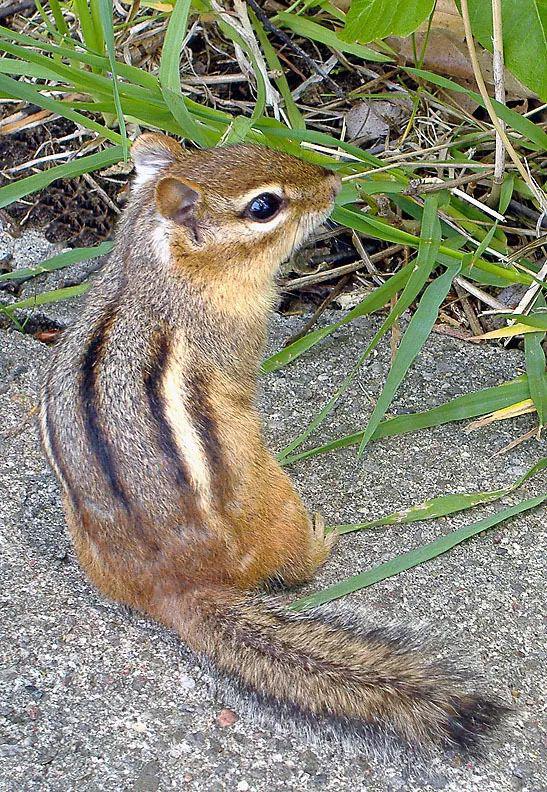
186 682
226 717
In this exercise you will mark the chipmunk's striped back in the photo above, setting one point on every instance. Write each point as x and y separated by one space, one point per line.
137 429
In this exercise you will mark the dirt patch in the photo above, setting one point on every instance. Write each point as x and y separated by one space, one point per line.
68 210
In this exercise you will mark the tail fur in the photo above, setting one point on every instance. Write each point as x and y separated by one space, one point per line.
331 673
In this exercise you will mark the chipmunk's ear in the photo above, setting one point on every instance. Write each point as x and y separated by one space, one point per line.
176 199
151 152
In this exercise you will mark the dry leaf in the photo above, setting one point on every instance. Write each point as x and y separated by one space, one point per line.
508 332
343 5
513 411
369 120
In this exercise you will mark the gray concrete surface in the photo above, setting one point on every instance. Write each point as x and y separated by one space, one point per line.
28 250
95 698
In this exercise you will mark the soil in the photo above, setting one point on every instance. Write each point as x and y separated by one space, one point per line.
68 210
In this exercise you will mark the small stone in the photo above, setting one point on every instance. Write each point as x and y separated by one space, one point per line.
9 750
181 748
226 717
186 682
243 786
197 738
34 692
137 726
310 763
48 336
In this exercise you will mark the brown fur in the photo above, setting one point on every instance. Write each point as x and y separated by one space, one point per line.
174 504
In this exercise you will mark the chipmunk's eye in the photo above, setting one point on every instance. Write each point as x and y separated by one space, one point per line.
264 207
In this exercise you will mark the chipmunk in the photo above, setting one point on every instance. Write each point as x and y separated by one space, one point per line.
175 506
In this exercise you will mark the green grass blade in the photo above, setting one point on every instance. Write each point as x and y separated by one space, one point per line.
411 345
410 291
506 192
374 301
523 125
311 30
471 405
535 365
45 19
79 79
98 23
189 127
442 505
423 266
373 227
377 229
537 319
23 68
60 261
62 27
56 295
237 130
273 128
16 190
20 90
414 557
296 119
131 73
240 127
86 25
483 245
104 11
169 74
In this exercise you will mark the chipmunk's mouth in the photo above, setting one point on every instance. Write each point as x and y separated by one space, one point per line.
307 227
322 218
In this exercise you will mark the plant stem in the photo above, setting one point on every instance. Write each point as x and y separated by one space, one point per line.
499 92
538 193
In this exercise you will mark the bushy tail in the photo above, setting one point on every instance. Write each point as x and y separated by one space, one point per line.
331 673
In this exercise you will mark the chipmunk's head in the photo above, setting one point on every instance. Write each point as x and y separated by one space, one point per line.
235 204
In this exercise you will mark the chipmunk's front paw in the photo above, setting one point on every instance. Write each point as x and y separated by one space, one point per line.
312 551
322 542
